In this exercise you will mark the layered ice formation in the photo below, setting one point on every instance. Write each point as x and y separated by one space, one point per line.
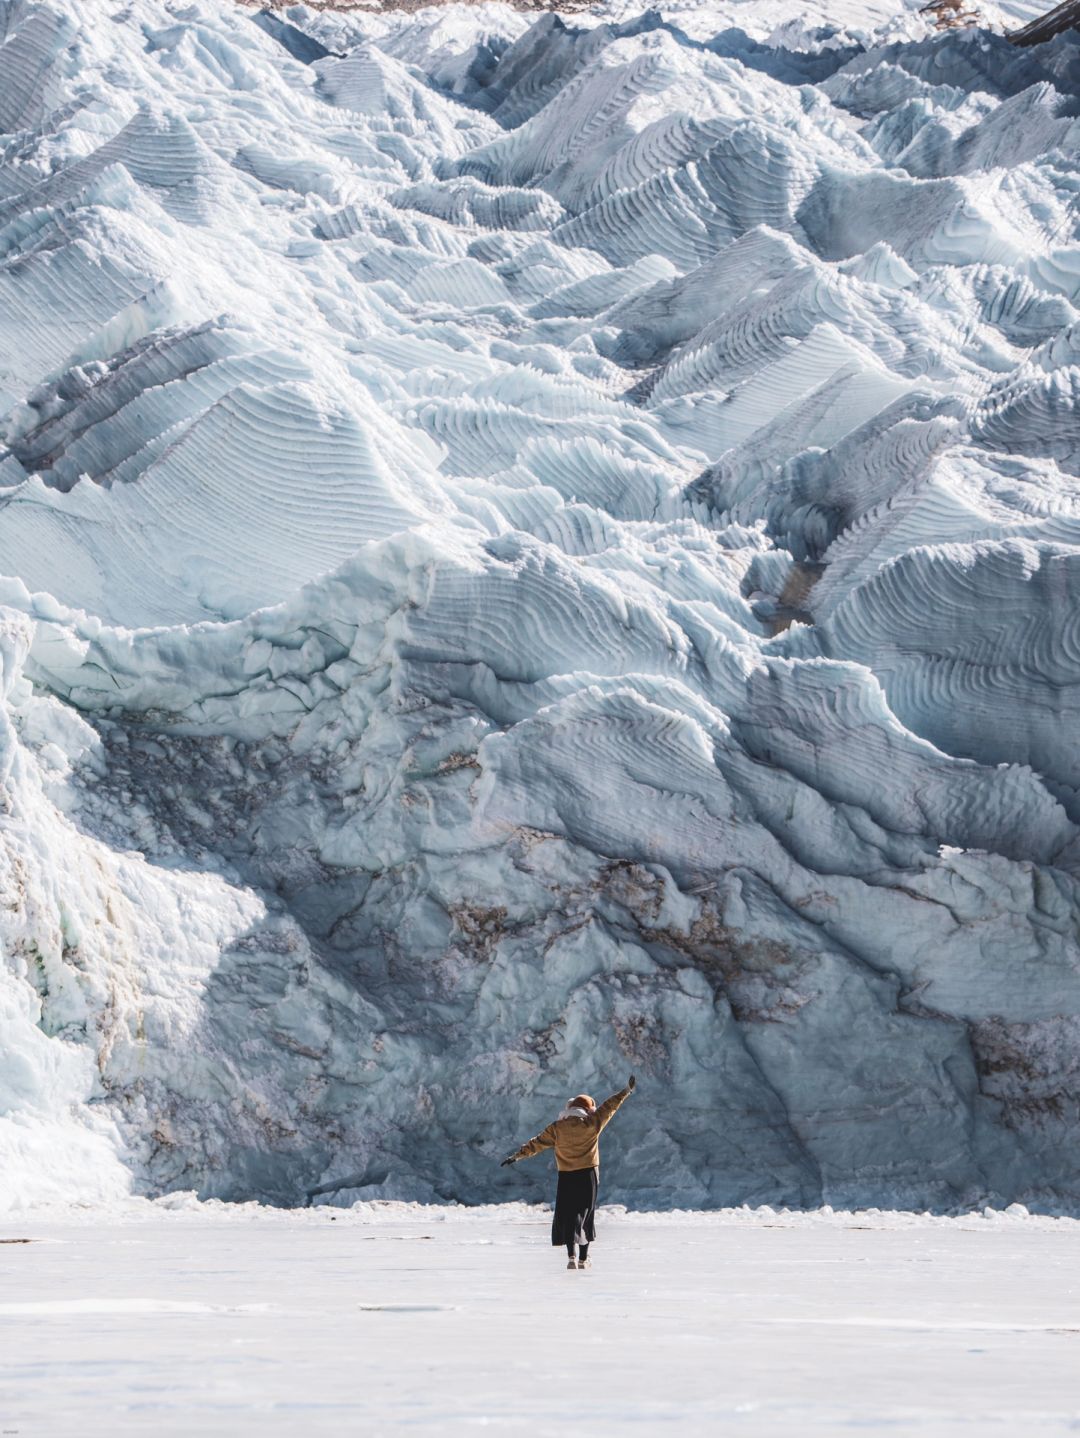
531 549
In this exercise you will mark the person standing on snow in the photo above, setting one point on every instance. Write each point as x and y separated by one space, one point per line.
575 1137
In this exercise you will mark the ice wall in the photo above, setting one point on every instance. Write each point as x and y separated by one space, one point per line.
530 552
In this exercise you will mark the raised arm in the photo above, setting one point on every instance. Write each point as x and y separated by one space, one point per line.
610 1107
534 1145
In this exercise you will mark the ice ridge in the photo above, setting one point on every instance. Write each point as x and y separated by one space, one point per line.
529 549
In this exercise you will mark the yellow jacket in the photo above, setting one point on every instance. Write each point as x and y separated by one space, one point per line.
576 1141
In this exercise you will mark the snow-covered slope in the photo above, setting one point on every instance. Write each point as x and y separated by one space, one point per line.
527 552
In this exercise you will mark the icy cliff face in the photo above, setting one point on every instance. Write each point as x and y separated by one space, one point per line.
530 552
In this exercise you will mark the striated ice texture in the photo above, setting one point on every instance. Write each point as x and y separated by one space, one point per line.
530 552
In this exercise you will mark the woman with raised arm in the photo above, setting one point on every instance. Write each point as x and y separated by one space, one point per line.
575 1137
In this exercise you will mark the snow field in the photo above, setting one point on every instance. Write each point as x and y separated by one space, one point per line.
399 1319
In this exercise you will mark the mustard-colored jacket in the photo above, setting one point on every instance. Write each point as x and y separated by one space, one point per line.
576 1141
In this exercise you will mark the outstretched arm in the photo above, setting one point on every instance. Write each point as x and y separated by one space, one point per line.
534 1145
610 1107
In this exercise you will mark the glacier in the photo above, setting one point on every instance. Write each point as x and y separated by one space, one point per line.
533 547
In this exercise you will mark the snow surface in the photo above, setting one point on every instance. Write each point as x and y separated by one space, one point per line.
528 551
394 1318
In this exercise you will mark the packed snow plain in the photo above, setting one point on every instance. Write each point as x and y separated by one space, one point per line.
387 1318
531 550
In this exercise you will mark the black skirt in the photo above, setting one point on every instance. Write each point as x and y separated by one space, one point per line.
574 1220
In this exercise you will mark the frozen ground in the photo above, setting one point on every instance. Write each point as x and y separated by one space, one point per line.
406 1319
